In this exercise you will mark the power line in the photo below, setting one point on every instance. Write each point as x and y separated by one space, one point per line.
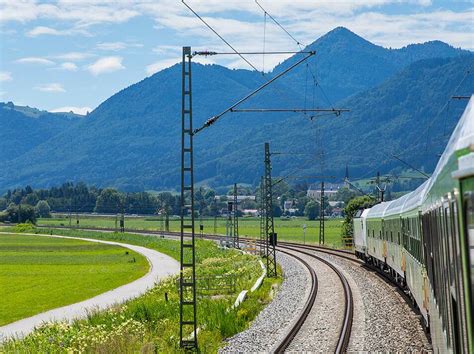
411 166
213 119
336 111
278 24
218 35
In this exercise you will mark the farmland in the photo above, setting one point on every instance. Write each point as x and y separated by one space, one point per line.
287 229
42 273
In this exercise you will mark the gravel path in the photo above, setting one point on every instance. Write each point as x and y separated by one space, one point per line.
383 321
272 324
161 266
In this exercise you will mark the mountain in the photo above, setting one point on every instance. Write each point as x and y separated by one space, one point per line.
132 140
24 128
346 63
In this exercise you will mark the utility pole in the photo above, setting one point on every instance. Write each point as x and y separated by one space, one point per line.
263 249
321 216
229 227
380 190
162 222
235 239
167 218
215 215
270 236
187 274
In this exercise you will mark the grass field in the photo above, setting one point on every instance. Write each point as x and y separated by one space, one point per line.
42 273
288 229
149 323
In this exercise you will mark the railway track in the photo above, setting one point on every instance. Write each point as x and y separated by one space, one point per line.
345 331
307 308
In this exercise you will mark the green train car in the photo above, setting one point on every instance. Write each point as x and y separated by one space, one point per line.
425 240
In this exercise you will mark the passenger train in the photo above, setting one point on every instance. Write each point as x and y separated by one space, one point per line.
425 240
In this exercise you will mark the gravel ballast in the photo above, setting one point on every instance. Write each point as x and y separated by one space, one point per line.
274 322
383 321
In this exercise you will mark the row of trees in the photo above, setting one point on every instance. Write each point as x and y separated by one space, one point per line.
81 198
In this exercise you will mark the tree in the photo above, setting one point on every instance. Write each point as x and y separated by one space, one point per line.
42 209
344 194
3 203
311 210
26 213
350 210
109 201
21 213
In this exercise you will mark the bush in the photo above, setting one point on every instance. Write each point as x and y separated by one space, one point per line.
25 227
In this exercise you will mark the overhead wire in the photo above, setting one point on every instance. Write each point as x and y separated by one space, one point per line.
218 35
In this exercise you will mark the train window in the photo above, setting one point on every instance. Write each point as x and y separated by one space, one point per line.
450 237
469 221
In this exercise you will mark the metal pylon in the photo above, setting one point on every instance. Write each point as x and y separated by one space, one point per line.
262 244
321 216
270 237
229 226
235 238
187 281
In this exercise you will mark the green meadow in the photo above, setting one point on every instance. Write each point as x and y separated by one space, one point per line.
287 229
41 273
149 323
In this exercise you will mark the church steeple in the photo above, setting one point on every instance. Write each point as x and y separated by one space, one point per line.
346 178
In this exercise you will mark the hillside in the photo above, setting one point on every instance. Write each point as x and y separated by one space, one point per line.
24 128
132 140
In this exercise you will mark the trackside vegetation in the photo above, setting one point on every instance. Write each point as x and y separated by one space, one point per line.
41 273
149 323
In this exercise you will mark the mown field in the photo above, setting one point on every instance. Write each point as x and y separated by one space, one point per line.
42 273
287 229
149 323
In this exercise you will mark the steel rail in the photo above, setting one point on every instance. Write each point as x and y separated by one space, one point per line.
345 332
307 307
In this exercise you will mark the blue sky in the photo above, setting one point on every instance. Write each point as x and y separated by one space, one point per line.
73 54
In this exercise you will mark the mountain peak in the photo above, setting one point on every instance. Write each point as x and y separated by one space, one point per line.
342 33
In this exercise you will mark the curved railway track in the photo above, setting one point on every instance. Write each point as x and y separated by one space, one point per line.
306 309
345 332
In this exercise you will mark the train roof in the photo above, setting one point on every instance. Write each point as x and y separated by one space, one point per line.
462 137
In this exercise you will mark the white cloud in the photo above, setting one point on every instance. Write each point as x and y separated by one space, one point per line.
116 46
82 13
73 56
5 76
160 65
35 60
106 65
77 110
69 66
52 87
42 30
113 46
